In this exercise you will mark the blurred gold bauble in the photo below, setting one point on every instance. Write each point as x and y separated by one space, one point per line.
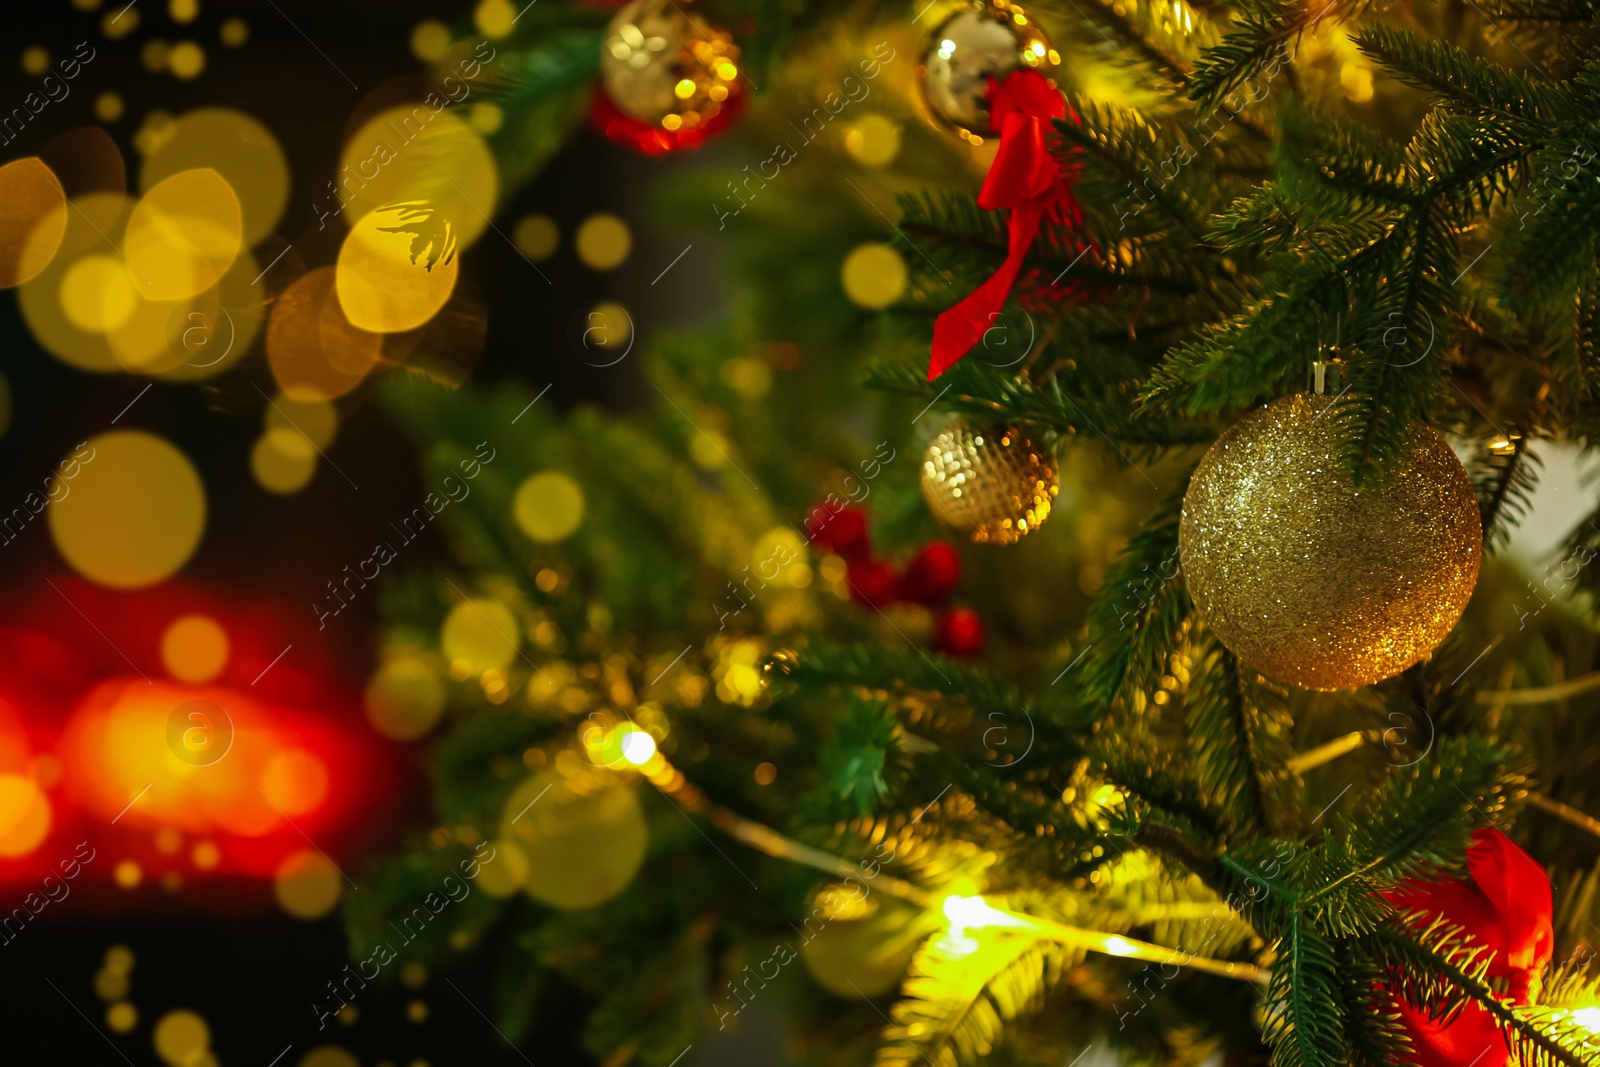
583 836
985 39
664 66
1316 582
856 957
989 482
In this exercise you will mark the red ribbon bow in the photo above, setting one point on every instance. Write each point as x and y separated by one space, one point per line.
1506 905
1025 178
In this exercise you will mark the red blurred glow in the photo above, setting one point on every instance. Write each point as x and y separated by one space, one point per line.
85 715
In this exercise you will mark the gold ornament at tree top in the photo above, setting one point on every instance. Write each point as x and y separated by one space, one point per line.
989 482
1315 581
665 66
984 39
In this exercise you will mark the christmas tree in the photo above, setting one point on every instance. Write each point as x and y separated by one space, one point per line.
1180 741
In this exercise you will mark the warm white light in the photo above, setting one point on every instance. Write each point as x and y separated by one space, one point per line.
1588 1018
1118 946
975 913
638 747
957 946
947 48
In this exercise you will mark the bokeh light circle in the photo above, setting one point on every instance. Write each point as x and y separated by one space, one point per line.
201 333
134 514
548 506
412 153
874 275
480 635
603 242
397 268
194 648
536 236
239 148
296 781
181 1038
405 697
314 351
307 885
96 295
33 219
24 815
283 461
583 847
316 420
183 235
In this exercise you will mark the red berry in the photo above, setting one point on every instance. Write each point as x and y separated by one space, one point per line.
843 531
960 633
871 582
932 574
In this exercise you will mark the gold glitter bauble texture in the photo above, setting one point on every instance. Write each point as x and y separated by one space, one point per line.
989 482
1311 580
667 67
985 39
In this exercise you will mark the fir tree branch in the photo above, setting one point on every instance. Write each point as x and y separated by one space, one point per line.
1266 27
1374 1028
1142 606
1172 843
1230 731
1460 80
1305 1013
1419 821
1441 969
1504 490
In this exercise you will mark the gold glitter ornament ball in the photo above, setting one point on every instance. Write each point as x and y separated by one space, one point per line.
989 482
667 67
1311 580
984 39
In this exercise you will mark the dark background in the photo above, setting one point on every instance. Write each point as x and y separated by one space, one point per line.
252 980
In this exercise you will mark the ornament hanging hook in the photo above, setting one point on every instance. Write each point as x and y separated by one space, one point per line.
1328 355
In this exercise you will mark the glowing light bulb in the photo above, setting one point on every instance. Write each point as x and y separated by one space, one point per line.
1588 1018
1118 946
947 48
1107 796
974 913
638 747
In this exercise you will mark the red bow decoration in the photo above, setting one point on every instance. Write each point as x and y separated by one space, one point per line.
1506 905
1025 178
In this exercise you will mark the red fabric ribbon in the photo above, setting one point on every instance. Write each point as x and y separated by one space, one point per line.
1025 178
1507 906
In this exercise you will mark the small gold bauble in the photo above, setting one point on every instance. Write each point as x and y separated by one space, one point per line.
664 66
583 842
989 482
1312 580
985 39
866 956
